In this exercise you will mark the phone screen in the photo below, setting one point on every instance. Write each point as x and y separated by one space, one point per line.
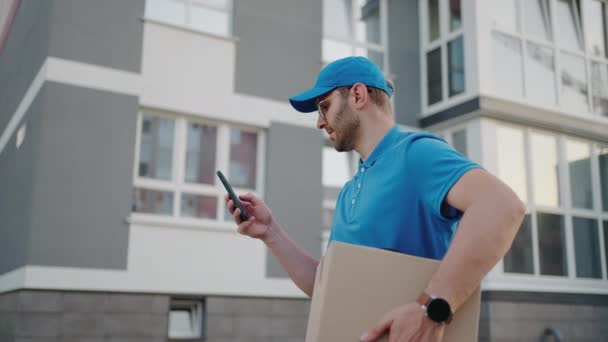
233 196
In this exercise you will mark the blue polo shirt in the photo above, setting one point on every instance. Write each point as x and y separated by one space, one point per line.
395 200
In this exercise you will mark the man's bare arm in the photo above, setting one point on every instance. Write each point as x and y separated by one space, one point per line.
300 266
492 216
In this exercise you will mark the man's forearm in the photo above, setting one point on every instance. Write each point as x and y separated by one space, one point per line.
300 265
485 233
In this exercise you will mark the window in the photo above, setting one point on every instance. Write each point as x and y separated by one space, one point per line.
433 20
545 170
177 160
538 23
599 88
539 74
519 259
156 148
456 66
594 13
578 156
186 319
355 27
459 141
568 20
152 201
433 71
568 68
443 49
603 166
511 161
211 16
606 243
507 65
587 248
552 244
457 138
455 15
574 95
562 179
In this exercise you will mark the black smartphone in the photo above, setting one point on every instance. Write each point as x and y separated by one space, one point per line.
235 199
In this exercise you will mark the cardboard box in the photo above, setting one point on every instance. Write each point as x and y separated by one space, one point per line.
355 286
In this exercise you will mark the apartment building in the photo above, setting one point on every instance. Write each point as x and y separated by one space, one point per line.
114 116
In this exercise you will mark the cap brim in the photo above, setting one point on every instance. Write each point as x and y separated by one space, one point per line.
306 102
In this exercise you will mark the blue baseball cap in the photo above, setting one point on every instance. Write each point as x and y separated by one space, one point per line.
341 73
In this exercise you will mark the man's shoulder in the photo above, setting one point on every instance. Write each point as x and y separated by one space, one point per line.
408 139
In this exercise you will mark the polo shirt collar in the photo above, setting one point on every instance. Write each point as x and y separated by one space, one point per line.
389 139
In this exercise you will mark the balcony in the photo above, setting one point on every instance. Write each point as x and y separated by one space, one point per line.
542 62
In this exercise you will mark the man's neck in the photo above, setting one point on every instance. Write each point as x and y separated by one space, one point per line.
371 137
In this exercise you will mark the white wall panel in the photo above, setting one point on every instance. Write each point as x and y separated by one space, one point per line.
169 260
193 73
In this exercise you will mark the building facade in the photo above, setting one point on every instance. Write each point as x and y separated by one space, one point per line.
114 116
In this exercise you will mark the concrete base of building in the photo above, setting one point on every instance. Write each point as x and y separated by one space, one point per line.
555 317
53 316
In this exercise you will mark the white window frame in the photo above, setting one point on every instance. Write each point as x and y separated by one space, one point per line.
229 10
177 184
501 280
383 47
445 37
523 38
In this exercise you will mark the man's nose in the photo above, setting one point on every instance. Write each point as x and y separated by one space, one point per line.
320 122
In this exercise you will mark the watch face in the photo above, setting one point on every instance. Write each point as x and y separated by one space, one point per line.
439 310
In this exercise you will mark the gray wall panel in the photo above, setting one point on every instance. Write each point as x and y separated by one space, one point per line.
107 33
46 316
279 47
24 52
83 179
294 186
404 56
528 321
17 167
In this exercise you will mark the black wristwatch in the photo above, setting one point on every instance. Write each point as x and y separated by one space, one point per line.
437 309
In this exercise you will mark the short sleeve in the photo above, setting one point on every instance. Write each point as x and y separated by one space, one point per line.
435 167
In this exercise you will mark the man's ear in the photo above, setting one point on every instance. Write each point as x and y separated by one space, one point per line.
361 95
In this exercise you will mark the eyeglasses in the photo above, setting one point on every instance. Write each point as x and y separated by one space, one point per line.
320 103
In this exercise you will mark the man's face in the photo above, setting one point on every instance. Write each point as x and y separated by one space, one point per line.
339 120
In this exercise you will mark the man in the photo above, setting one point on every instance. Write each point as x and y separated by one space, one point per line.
410 192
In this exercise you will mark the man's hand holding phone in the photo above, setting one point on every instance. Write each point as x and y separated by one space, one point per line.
260 216
252 215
